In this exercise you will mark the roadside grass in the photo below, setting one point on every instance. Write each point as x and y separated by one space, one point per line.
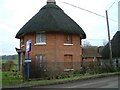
10 78
0 62
0 73
17 81
3 61
0 78
13 79
72 78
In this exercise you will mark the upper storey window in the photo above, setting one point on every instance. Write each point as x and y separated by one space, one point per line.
40 38
68 39
22 42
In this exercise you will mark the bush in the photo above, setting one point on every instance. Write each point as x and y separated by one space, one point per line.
95 68
8 65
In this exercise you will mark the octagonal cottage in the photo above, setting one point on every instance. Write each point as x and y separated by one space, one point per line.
56 42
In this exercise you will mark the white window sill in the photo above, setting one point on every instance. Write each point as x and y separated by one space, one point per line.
66 44
40 44
68 70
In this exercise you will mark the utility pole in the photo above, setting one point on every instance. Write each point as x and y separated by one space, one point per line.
110 47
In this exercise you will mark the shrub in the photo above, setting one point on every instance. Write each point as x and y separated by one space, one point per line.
8 65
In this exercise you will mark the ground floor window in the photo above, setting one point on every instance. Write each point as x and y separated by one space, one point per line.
40 60
68 61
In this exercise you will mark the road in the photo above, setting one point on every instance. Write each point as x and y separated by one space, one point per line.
106 82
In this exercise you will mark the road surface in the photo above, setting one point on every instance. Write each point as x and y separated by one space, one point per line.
106 82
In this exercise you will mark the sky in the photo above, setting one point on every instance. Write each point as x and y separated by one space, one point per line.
15 13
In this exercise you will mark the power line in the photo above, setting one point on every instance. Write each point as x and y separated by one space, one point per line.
82 9
87 10
111 5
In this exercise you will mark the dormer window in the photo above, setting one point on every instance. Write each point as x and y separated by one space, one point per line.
41 38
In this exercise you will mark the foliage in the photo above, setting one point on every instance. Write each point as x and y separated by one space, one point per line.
9 57
5 60
0 78
0 65
92 67
95 68
18 82
9 65
11 78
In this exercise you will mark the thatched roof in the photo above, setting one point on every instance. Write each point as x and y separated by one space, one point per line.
51 18
115 43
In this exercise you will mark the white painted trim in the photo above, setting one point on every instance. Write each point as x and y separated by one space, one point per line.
68 69
40 44
66 44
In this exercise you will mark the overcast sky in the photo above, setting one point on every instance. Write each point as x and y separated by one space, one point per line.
15 13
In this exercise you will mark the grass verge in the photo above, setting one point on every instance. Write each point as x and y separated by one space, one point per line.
33 83
0 78
11 79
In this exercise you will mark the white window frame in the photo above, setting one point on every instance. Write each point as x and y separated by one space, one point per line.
40 39
67 38
40 60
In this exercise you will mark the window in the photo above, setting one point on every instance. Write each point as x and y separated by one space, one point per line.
68 62
22 41
68 39
40 61
41 38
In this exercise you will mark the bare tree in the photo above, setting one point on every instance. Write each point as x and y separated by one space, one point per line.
86 43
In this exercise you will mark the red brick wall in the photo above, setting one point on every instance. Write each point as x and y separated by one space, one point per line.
55 49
